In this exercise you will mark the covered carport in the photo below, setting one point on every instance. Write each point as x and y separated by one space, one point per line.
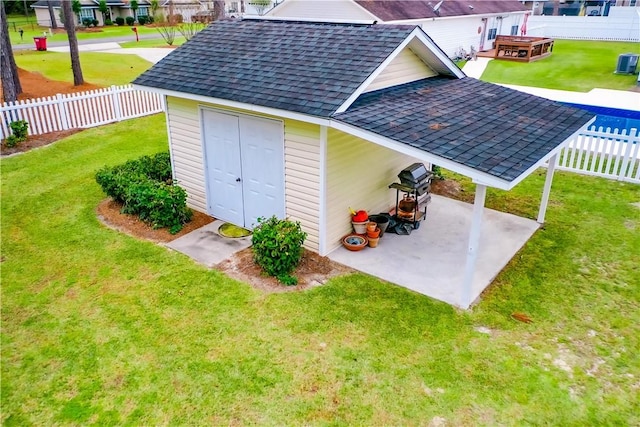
494 136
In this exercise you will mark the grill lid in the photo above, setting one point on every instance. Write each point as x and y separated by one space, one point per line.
414 175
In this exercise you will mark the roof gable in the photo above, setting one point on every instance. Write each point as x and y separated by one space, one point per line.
319 10
399 10
310 68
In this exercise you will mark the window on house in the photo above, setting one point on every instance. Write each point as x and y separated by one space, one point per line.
234 7
493 32
86 14
514 30
143 11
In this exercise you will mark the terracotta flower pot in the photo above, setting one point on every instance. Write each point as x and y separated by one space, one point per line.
371 226
373 242
373 234
354 242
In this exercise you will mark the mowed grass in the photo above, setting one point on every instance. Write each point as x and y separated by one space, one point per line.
100 69
575 65
99 328
32 29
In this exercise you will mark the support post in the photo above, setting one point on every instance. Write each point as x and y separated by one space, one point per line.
547 188
474 243
322 223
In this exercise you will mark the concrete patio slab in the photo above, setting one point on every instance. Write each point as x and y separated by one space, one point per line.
431 260
208 247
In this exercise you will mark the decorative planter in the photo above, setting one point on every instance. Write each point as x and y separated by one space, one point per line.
360 227
354 242
373 242
371 226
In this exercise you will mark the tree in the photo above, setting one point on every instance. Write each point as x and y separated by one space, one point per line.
11 87
69 25
134 7
52 16
103 8
260 5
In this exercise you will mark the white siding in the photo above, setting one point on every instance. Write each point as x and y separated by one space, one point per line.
404 68
321 10
302 163
464 32
358 176
183 120
302 178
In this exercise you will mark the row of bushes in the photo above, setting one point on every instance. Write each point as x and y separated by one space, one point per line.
130 20
145 188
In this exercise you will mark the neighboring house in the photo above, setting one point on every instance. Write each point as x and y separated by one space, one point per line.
577 7
304 120
452 24
122 8
89 10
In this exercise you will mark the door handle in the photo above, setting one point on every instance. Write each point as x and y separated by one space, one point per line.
238 180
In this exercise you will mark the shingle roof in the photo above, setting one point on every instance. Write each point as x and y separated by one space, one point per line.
490 128
309 68
394 10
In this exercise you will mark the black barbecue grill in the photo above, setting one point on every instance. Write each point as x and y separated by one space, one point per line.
415 184
416 177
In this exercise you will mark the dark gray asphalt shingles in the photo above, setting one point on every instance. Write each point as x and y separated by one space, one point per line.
309 68
490 128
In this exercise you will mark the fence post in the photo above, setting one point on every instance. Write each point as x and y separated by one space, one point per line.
627 155
115 101
62 111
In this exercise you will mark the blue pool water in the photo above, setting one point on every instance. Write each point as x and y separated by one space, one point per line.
613 118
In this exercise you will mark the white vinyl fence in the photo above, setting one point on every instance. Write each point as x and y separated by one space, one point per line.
605 153
79 110
622 24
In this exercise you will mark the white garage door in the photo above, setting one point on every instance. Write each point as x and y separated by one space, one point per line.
244 159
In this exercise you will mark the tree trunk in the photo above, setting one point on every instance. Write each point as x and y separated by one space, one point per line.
52 15
218 9
69 25
11 87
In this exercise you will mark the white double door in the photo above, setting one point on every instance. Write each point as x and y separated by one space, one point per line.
244 159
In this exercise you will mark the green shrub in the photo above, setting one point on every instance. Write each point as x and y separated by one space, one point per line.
87 22
142 20
277 247
130 20
95 22
145 188
108 22
149 19
11 141
158 204
20 129
120 21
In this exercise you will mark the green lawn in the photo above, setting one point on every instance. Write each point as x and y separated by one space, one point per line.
574 65
101 69
31 29
100 328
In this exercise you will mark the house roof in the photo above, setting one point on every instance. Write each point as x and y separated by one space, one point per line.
490 128
320 69
309 68
397 10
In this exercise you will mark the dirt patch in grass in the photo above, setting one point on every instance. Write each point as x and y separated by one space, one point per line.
313 270
452 189
109 213
36 141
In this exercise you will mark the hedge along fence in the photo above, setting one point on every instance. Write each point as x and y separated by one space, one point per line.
80 110
145 188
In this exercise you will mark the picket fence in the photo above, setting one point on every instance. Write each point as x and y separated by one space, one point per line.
613 154
80 110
